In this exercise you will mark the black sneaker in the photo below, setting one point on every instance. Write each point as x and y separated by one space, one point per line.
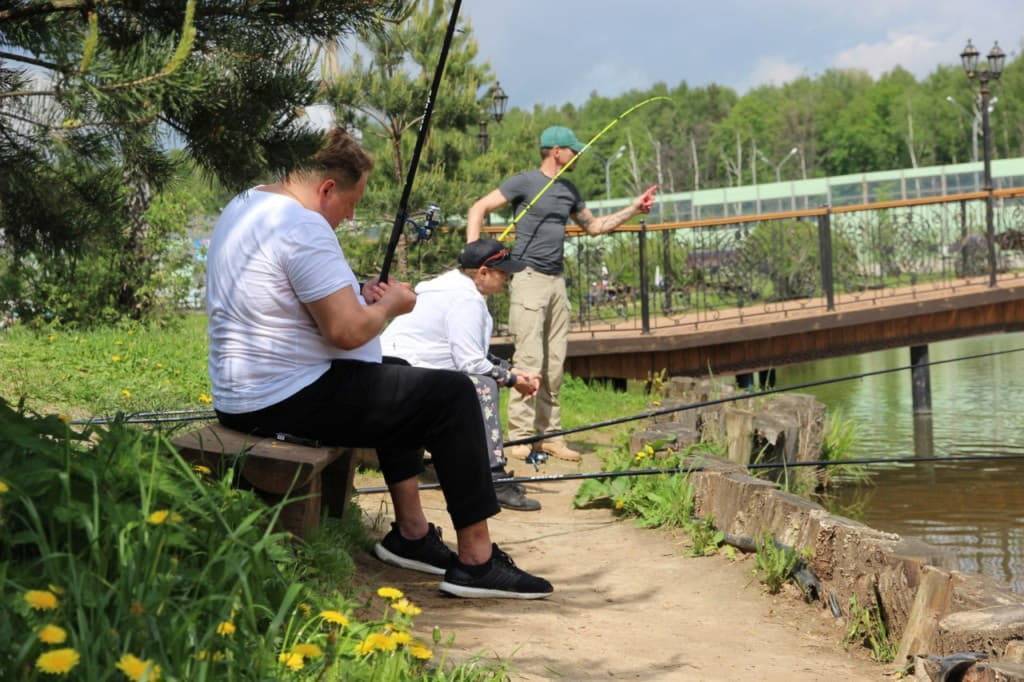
429 554
512 495
499 578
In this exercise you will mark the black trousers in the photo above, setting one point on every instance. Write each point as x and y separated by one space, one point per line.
399 410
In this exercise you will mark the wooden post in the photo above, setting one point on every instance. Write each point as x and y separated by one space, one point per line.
921 380
825 256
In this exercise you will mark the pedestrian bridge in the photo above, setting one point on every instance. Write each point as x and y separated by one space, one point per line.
751 291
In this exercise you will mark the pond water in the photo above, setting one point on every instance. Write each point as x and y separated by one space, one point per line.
974 509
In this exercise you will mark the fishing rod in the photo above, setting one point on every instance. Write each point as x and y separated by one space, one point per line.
402 216
504 235
556 478
745 396
207 415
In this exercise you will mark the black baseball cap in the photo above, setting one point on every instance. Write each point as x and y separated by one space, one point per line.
491 253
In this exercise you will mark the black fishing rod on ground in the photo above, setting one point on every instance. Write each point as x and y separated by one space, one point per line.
207 415
556 478
402 216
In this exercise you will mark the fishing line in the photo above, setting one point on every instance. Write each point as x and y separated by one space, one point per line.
207 415
555 478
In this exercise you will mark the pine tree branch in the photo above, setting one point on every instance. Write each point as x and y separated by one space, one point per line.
29 93
33 61
37 8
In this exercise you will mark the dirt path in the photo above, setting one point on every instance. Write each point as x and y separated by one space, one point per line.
628 604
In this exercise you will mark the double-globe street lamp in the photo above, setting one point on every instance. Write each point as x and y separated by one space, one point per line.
498 102
996 60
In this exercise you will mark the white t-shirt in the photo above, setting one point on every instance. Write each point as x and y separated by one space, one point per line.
450 327
269 255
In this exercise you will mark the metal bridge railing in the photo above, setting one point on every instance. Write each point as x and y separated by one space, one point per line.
648 277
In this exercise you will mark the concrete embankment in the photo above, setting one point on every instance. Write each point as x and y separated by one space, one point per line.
929 608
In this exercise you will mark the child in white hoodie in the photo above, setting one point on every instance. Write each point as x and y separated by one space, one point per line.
450 328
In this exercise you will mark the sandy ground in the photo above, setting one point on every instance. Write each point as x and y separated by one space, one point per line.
628 603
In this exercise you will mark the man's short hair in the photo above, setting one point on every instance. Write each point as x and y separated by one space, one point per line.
340 158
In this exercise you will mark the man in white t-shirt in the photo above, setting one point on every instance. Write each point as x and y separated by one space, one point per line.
450 328
294 348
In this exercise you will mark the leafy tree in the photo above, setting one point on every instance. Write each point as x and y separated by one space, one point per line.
93 93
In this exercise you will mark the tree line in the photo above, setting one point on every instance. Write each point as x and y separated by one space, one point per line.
142 118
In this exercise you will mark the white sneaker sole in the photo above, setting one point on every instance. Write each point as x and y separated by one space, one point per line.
481 593
382 553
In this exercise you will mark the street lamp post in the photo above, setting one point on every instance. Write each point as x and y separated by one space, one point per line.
996 60
778 170
607 170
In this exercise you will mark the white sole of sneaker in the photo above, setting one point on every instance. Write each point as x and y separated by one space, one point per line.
481 593
387 557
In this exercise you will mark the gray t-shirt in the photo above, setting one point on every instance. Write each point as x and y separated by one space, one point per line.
540 234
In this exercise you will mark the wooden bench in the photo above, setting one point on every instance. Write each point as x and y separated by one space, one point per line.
274 468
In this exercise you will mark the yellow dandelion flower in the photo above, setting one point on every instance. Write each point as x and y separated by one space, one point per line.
382 641
41 600
115 358
51 338
226 628
134 668
4 488
158 517
219 656
364 648
308 650
421 652
200 469
57 661
336 617
619 504
390 593
52 634
406 607
56 589
205 398
401 638
292 660
125 393
305 608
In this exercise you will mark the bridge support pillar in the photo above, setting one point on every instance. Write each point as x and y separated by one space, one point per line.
921 384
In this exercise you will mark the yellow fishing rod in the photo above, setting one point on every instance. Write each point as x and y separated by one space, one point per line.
504 235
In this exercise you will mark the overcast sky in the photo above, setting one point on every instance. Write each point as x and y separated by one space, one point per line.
553 51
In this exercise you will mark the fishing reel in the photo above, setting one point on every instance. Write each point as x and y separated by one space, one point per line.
430 220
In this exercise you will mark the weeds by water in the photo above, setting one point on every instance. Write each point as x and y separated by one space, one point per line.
867 627
774 565
838 441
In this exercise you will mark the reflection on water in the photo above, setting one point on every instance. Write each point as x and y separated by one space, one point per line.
975 509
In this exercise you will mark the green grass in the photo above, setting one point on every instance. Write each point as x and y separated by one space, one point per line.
130 367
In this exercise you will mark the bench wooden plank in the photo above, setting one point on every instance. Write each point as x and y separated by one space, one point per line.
317 475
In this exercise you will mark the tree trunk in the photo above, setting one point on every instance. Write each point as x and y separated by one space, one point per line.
139 195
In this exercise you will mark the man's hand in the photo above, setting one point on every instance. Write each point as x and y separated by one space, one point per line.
644 202
372 291
527 384
398 298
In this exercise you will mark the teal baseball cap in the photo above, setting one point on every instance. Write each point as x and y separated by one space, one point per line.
560 136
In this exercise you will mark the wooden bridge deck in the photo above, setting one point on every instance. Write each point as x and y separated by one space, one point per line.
771 335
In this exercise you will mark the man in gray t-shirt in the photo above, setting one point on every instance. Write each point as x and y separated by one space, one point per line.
539 307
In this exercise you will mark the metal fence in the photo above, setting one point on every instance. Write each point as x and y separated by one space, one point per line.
646 277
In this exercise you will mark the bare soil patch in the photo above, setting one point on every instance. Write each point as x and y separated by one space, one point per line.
628 603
